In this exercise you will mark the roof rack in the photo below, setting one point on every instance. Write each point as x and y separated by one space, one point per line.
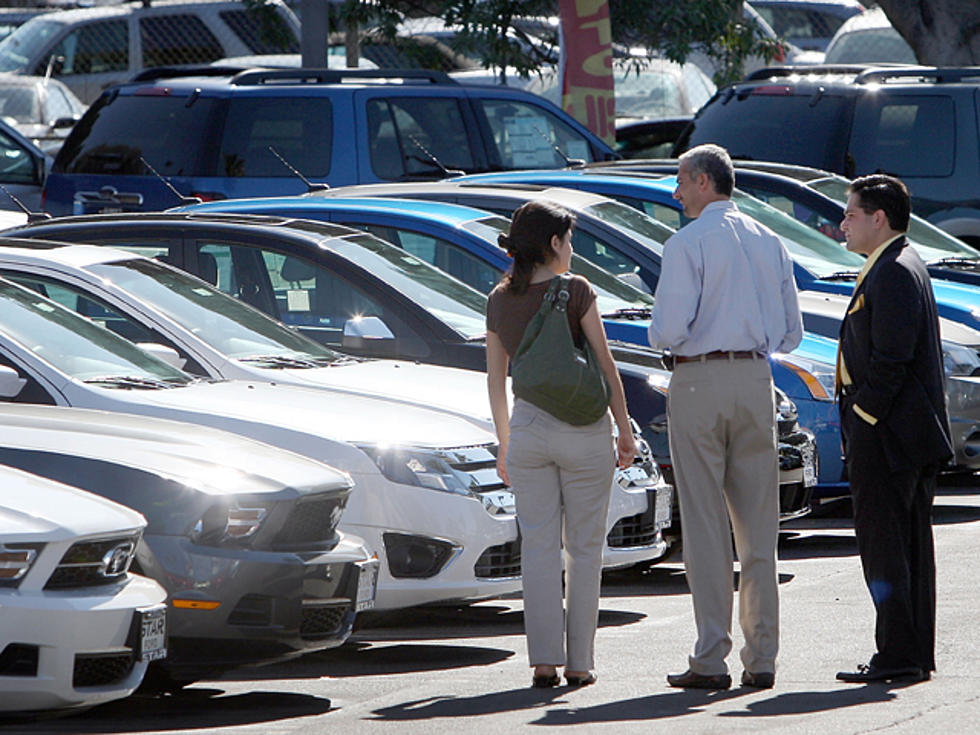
768 72
189 70
938 73
336 76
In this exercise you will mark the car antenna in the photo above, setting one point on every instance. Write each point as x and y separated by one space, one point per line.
448 172
31 216
180 197
310 186
569 162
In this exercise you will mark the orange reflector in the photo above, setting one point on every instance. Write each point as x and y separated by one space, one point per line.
195 604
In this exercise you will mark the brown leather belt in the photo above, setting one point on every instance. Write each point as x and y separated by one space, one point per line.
721 355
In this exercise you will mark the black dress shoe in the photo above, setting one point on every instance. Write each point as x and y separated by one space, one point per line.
869 672
692 680
761 680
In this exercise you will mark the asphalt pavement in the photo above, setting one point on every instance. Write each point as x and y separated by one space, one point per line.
453 669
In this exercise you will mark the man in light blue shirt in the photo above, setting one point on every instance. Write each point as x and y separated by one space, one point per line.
725 299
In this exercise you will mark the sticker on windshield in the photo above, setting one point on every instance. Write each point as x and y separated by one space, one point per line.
530 145
298 300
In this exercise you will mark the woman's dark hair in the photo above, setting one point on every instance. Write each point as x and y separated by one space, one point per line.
529 241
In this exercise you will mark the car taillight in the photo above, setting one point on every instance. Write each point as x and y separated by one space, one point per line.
773 89
209 196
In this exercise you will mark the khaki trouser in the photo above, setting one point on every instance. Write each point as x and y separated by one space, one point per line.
561 477
721 419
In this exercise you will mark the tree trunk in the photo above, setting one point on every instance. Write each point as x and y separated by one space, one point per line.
940 32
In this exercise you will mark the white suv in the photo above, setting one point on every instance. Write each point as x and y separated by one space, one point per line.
91 48
77 628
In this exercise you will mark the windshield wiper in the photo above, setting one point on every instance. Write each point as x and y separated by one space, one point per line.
954 262
840 276
630 312
131 381
281 361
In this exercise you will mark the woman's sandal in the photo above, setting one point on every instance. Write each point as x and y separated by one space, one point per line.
544 681
581 681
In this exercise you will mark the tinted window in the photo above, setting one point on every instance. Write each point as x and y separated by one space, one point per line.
769 125
905 136
525 136
16 166
405 134
92 49
299 129
177 39
262 32
164 130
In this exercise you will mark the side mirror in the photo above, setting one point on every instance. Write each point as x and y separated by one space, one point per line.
11 384
168 354
364 332
63 123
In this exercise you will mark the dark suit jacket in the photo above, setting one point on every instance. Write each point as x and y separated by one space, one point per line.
890 344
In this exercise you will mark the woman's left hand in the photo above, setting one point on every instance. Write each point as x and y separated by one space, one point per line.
625 448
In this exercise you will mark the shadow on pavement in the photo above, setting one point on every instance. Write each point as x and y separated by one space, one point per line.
203 710
815 545
654 707
491 703
645 580
800 703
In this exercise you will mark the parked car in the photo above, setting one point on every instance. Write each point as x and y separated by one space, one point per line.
42 109
917 123
649 138
79 629
24 169
354 292
335 126
463 242
90 49
13 18
869 38
808 24
242 536
428 500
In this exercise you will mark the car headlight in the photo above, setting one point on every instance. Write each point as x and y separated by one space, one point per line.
428 468
228 523
959 359
818 377
16 561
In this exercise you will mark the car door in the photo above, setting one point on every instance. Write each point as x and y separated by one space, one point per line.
22 170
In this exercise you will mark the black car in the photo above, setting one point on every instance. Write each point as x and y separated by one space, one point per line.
918 123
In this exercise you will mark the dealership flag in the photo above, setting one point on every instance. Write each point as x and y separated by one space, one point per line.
587 86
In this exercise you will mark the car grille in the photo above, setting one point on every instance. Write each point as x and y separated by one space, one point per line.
101 669
500 561
635 531
321 621
311 521
94 562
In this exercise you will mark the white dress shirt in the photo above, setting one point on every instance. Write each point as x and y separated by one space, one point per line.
726 283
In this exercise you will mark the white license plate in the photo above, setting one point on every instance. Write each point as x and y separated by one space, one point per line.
153 634
367 585
809 468
661 518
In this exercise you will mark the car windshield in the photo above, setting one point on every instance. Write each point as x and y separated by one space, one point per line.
17 48
819 254
612 294
461 307
636 224
930 242
78 347
225 323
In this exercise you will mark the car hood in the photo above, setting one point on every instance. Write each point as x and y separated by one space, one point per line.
334 415
206 460
35 509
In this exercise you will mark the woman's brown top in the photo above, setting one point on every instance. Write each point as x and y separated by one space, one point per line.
508 313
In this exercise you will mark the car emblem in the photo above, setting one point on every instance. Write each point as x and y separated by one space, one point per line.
116 561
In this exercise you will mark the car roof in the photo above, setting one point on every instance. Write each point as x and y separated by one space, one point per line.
572 198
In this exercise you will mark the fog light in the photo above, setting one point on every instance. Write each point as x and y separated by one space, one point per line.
416 556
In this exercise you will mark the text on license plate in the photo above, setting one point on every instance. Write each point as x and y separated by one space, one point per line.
367 585
153 634
661 518
809 469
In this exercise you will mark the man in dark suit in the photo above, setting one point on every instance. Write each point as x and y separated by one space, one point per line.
894 426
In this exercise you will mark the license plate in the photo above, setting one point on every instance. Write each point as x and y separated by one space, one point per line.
809 468
367 585
632 476
153 634
661 518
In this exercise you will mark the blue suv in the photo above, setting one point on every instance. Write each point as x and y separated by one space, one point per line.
215 134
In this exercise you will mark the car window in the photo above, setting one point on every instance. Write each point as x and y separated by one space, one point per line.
25 43
177 39
444 255
16 165
300 130
163 130
94 48
405 134
57 105
798 211
904 135
19 103
263 33
870 45
525 135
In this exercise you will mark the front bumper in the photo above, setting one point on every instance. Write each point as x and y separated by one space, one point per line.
271 605
72 648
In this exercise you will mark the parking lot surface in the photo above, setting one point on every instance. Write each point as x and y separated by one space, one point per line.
452 669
